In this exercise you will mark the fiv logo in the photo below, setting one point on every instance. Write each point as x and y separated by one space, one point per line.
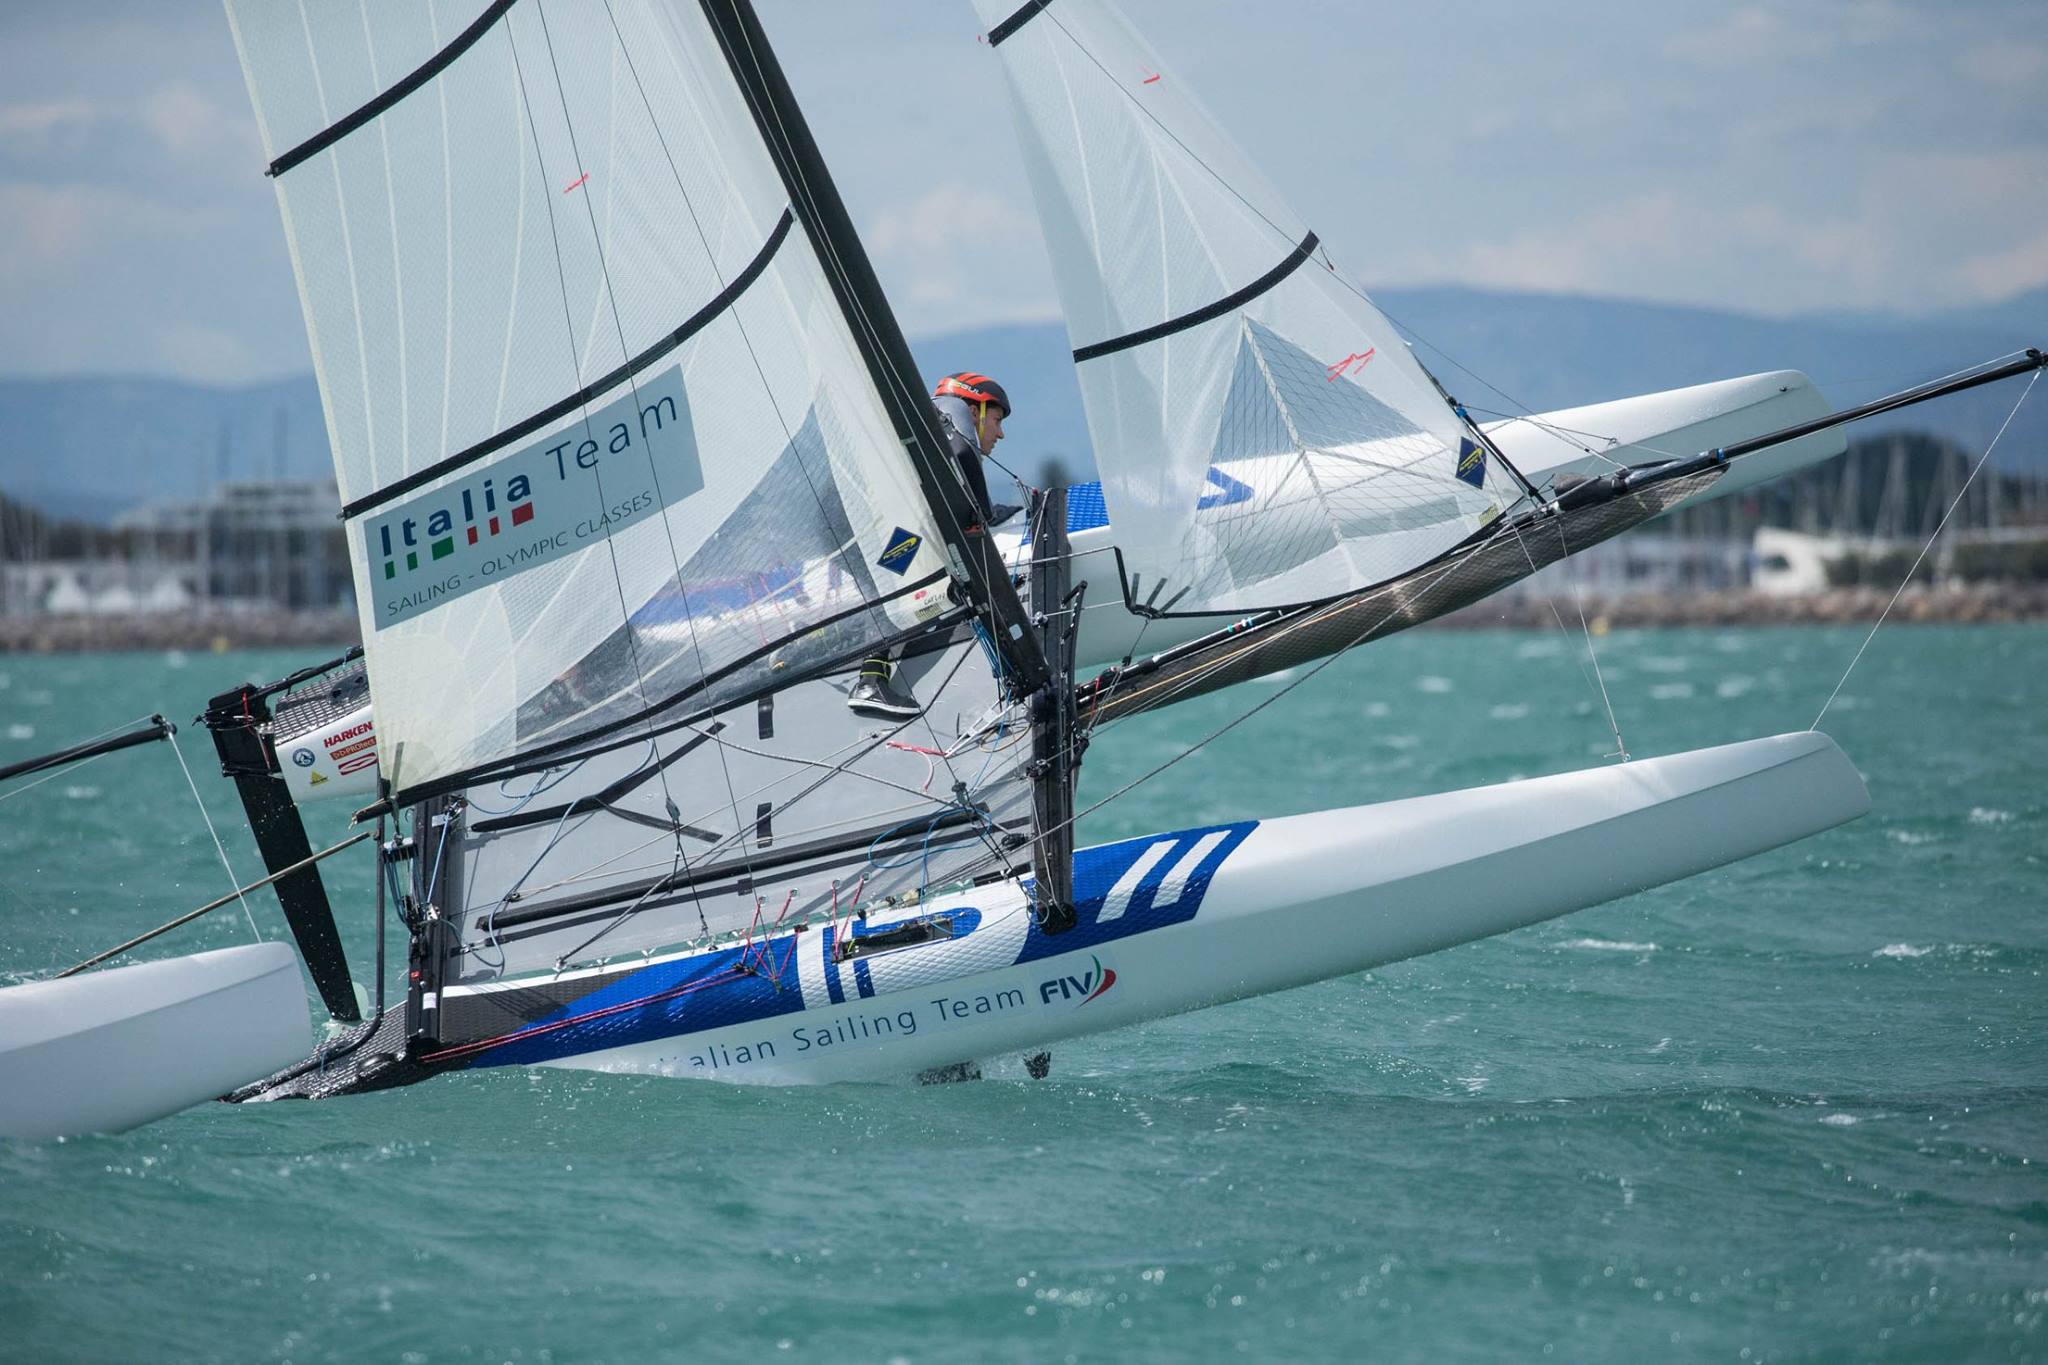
1089 985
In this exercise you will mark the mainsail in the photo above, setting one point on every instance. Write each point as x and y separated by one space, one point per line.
605 440
637 472
1264 436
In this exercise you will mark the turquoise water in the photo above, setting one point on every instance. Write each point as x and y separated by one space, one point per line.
1794 1108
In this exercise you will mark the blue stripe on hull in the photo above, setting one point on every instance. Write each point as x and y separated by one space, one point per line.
1100 871
1120 890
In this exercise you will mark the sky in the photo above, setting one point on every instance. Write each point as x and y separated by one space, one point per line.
1781 157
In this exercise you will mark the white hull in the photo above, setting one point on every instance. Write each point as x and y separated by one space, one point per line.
111 1049
1174 922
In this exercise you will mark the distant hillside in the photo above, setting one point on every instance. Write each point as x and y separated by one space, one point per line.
89 448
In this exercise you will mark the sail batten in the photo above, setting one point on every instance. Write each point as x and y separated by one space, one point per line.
1209 312
554 412
412 81
1024 14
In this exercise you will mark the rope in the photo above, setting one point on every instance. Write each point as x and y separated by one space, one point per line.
1960 493
233 880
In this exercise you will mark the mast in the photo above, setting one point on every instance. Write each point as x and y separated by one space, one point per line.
1056 740
979 567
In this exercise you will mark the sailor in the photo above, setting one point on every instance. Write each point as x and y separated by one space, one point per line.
972 409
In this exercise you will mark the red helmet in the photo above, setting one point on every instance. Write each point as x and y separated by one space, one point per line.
975 388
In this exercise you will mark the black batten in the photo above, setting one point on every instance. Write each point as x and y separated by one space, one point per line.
818 207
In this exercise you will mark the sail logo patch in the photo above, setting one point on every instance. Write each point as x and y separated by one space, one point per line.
440 528
1472 462
901 549
549 500
1088 986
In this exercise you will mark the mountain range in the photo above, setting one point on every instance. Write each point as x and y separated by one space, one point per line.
90 448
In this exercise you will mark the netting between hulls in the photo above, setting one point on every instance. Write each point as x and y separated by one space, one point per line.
1460 579
1264 436
567 339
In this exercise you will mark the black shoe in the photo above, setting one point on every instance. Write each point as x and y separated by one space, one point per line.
878 697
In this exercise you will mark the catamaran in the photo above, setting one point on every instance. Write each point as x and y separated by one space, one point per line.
637 470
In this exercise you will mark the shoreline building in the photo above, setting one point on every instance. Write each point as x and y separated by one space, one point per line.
248 546
261 544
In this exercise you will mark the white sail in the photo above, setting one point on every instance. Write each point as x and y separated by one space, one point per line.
1263 434
601 432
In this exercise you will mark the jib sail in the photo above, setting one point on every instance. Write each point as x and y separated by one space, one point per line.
1263 434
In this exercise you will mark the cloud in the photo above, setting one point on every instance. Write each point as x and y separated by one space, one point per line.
2022 65
1667 246
204 355
187 122
52 226
1975 221
1998 275
1760 34
39 122
1744 36
177 119
49 226
958 256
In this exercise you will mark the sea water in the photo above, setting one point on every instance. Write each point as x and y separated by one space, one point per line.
1793 1108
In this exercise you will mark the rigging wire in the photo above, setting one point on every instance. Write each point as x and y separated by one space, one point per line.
1915 568
233 880
1550 600
740 834
1224 729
